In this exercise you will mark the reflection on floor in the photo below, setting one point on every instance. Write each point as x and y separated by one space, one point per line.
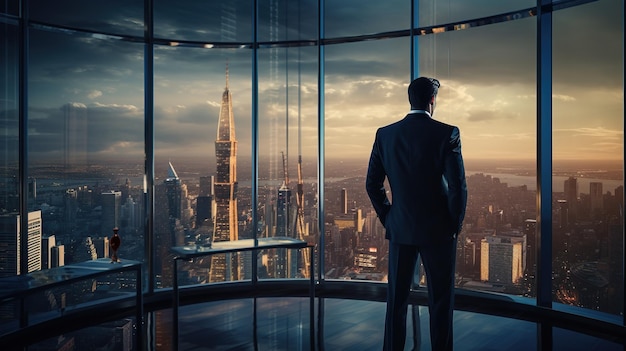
283 324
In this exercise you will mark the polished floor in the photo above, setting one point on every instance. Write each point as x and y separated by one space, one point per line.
343 324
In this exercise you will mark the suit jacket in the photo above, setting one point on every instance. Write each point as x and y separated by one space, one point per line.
421 159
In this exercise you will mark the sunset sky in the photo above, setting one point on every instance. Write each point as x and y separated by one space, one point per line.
488 77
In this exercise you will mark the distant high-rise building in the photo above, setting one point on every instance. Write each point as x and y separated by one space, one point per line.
10 253
563 208
102 246
570 189
174 192
596 196
57 255
344 201
284 259
501 259
70 201
111 208
226 227
283 211
32 193
47 243
206 185
130 215
358 220
204 202
203 210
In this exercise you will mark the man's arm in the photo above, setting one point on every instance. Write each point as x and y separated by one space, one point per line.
374 183
454 173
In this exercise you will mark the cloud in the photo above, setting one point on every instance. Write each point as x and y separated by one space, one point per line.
595 132
94 94
512 136
562 97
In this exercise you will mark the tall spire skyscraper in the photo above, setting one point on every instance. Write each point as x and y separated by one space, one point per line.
224 267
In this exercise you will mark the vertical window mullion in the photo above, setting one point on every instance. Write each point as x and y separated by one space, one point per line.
544 168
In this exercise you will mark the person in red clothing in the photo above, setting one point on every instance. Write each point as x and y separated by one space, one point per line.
115 243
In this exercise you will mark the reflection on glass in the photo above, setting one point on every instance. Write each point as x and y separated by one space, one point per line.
436 12
588 124
494 108
202 160
287 20
366 88
112 17
205 21
9 151
287 157
85 151
351 17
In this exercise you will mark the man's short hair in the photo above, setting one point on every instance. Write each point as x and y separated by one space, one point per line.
421 91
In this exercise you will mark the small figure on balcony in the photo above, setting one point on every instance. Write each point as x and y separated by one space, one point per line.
115 243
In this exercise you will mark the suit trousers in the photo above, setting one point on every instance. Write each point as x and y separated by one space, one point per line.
439 264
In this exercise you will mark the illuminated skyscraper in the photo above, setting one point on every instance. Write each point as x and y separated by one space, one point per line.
502 259
10 243
225 226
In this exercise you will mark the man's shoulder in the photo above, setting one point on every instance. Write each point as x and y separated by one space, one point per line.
396 124
444 126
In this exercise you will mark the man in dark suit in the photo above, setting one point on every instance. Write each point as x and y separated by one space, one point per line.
421 159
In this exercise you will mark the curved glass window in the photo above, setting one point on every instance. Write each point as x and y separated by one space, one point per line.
202 157
588 163
86 144
437 12
111 17
488 91
204 21
9 148
201 130
349 18
365 88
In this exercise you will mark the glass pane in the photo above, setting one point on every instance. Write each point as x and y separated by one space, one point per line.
123 17
10 7
287 20
366 88
9 150
358 17
117 335
86 145
488 89
588 163
202 159
287 156
436 12
208 21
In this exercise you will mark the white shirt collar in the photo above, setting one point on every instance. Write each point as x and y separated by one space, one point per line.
420 111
